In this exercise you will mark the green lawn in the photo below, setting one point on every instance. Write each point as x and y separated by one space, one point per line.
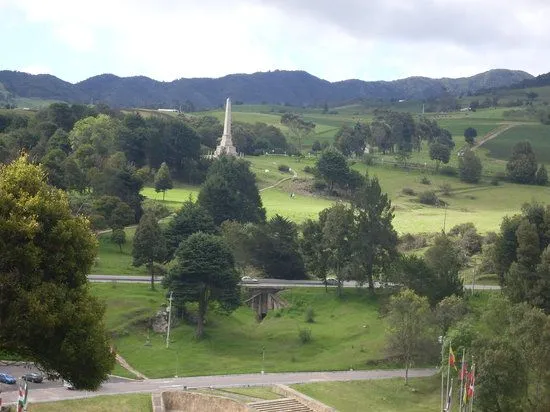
120 403
384 395
537 134
112 261
348 332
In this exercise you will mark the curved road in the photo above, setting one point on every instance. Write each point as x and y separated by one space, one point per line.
219 381
262 283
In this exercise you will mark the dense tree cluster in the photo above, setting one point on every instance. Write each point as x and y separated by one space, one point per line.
522 166
46 254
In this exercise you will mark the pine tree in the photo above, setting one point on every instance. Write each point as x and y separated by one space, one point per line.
149 246
163 181
541 177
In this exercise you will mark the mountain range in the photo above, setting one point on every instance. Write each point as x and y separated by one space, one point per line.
296 88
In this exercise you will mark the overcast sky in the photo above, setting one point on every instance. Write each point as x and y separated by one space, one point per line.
331 39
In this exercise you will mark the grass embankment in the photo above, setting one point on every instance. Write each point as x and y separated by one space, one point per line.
384 395
347 332
120 403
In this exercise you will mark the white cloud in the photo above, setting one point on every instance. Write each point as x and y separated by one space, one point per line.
375 39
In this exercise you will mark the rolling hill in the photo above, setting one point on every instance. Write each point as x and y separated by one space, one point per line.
296 88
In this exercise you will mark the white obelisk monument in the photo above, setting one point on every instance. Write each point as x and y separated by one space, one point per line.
226 144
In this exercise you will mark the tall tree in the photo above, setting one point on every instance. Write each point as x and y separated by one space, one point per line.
149 246
408 327
338 241
311 244
230 192
469 167
44 295
522 166
333 167
163 180
443 259
298 127
376 238
189 219
439 152
204 271
470 135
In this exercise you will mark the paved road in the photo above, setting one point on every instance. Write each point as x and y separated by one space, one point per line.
260 283
20 369
223 381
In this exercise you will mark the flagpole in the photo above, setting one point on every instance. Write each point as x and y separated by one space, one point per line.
462 378
474 385
442 372
448 368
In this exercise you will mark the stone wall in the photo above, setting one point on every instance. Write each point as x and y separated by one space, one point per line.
198 402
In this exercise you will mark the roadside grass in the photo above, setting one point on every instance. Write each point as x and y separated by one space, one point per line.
121 403
123 373
383 395
537 134
111 261
347 333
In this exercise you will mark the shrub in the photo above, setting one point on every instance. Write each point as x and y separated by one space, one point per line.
158 209
408 191
319 185
495 181
309 169
412 242
304 335
369 159
310 315
429 198
284 168
425 180
448 171
446 189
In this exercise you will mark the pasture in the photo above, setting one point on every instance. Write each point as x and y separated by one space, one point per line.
537 134
121 403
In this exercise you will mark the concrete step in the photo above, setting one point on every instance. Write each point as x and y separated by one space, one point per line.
279 405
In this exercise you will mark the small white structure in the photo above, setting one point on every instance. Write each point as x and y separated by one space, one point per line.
167 110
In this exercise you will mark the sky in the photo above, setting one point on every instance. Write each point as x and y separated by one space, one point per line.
331 39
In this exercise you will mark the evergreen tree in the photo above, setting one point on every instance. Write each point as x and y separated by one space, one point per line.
189 219
333 167
149 246
163 181
522 166
204 271
230 192
469 167
470 135
118 237
443 259
541 177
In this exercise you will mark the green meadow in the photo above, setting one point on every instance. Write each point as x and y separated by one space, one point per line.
347 333
537 134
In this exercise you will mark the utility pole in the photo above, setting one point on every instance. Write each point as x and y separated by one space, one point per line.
169 321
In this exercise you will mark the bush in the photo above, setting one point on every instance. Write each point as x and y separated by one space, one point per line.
369 159
408 191
310 315
284 168
448 171
429 198
319 185
446 189
412 242
304 335
158 209
495 181
309 169
425 180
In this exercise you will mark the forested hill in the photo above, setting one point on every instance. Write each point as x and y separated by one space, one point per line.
279 87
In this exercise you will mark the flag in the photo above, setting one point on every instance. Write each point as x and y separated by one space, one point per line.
472 382
452 359
449 398
22 400
463 371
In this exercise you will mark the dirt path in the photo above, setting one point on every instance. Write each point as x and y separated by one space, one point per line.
295 175
494 133
122 362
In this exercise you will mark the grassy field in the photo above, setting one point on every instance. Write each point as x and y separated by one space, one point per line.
120 403
347 332
384 395
537 134
111 260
